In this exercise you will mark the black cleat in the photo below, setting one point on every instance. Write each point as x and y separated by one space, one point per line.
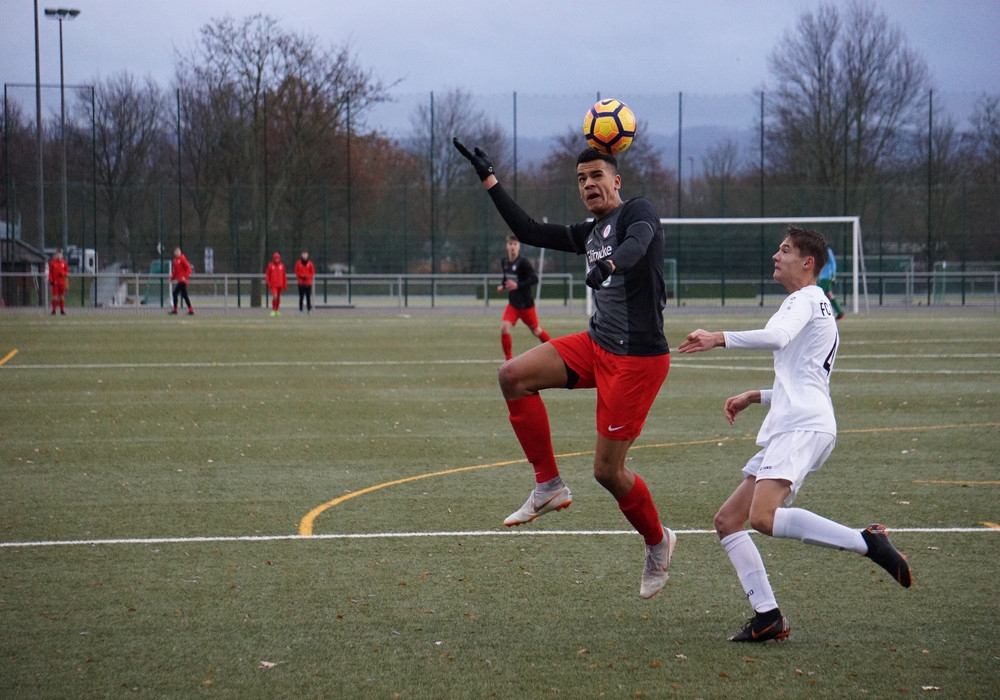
763 626
881 551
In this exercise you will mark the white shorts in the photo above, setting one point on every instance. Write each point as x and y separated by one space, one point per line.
791 457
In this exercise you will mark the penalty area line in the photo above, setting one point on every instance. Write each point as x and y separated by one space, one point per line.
990 527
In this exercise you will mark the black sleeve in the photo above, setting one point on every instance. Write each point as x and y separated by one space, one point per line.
527 230
526 275
638 236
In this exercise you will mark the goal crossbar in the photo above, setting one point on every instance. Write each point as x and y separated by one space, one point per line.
857 254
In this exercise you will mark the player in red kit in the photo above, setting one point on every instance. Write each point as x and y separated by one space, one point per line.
623 354
277 281
180 272
304 273
58 274
518 279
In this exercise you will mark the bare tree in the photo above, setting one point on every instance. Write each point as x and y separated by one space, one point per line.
288 99
16 161
985 150
848 86
721 167
208 121
129 138
447 173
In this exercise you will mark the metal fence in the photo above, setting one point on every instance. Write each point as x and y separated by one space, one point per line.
149 293
364 217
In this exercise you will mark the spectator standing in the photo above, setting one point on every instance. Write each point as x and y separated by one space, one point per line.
180 273
304 273
58 276
277 281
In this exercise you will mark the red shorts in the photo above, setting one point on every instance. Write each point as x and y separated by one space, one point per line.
626 385
58 289
529 316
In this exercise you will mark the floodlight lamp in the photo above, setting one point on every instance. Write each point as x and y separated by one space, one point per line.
61 13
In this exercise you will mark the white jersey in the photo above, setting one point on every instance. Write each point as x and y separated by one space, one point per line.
803 335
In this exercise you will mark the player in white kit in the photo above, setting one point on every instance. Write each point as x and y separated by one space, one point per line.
796 437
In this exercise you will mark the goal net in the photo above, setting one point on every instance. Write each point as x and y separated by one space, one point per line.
731 240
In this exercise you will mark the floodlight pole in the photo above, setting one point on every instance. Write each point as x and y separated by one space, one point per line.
38 139
59 15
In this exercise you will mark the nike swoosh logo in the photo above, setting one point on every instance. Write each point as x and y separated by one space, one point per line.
754 634
615 429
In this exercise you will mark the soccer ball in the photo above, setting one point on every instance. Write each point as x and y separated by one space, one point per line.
609 126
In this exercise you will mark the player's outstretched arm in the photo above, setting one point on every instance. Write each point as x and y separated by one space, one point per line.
702 340
527 230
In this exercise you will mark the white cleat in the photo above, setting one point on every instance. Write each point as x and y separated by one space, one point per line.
540 504
657 568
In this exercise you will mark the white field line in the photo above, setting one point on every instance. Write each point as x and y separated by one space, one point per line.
687 363
255 363
403 535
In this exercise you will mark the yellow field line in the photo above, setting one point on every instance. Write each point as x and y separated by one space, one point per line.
957 483
306 524
8 357
903 428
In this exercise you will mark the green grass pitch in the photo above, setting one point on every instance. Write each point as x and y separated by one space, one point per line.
158 472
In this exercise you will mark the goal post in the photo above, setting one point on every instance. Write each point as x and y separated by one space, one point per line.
859 276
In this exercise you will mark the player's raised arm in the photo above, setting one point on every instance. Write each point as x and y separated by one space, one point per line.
521 224
480 161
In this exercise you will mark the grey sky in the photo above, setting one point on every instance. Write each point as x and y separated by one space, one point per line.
542 47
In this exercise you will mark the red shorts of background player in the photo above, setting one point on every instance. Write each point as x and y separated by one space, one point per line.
626 385
58 290
529 316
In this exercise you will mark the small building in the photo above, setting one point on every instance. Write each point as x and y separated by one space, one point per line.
22 273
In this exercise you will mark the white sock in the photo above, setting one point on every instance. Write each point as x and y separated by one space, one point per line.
750 570
801 524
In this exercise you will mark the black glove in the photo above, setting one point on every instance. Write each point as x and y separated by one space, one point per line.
598 273
480 161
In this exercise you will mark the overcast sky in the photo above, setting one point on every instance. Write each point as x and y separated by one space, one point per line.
542 47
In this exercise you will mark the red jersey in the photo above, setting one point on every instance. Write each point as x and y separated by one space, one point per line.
304 272
180 270
58 272
276 276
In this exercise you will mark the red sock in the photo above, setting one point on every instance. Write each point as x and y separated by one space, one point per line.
530 421
543 336
62 304
507 343
54 304
638 508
